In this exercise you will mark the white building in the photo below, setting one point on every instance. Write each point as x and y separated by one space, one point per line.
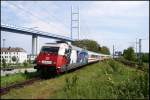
9 53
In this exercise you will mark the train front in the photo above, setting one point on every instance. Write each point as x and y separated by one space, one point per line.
51 59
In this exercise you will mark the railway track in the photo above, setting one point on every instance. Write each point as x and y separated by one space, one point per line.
4 90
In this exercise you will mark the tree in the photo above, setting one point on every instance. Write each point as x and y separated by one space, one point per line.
4 62
129 54
29 61
87 44
145 57
91 45
14 59
104 50
25 63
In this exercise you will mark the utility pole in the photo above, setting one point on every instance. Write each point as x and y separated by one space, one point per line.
136 48
75 18
71 22
78 23
113 51
3 43
140 45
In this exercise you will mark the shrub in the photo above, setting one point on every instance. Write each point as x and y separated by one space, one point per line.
25 64
133 88
129 54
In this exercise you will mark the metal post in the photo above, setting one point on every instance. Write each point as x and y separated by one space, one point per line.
140 60
113 51
3 43
75 20
34 44
71 22
78 23
136 46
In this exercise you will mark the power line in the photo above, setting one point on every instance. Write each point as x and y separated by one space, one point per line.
56 18
30 13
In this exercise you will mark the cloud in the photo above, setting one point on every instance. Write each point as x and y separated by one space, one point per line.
117 8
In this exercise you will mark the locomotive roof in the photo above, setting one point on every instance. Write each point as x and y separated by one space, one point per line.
75 47
54 44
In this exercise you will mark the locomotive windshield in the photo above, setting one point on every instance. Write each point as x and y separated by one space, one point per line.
50 49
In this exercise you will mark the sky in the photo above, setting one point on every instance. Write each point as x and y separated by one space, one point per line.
117 23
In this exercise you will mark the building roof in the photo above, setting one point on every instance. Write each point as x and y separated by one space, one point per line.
10 49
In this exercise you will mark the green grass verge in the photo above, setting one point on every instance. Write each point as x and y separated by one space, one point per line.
16 78
104 80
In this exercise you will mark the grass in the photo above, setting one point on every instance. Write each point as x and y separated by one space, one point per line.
16 78
104 80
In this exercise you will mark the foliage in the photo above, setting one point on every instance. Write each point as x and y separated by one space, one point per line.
91 45
127 62
103 80
134 88
112 81
14 58
87 44
25 63
144 67
29 61
145 57
104 50
15 78
3 62
129 54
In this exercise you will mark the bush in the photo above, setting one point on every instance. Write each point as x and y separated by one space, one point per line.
25 64
145 57
4 62
129 54
135 88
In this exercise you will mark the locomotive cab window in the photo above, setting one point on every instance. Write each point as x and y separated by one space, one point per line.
50 49
66 51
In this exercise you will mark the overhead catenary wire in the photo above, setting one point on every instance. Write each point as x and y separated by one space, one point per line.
56 18
31 14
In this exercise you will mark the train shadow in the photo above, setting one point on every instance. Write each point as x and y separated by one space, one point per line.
80 67
52 75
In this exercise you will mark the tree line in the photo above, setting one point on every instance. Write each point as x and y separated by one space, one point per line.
130 55
91 45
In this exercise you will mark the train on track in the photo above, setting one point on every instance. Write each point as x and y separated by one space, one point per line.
56 58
